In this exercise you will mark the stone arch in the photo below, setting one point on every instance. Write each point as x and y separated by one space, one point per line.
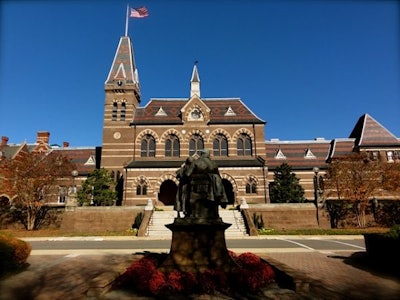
167 186
250 178
240 131
5 196
163 178
144 132
230 187
251 184
171 131
119 100
140 179
195 131
231 180
217 131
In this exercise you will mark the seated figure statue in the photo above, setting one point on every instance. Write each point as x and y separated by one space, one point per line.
200 190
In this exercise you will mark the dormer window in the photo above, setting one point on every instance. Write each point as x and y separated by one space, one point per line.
308 154
161 112
230 112
279 155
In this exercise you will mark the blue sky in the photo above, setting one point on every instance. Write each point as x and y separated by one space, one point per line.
308 68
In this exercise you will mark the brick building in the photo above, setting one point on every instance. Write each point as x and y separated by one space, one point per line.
144 145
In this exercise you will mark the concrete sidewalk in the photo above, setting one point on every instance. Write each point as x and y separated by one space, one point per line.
308 275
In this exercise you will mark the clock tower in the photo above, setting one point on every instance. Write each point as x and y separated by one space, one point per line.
122 98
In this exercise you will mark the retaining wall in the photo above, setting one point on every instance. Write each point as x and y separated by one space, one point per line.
100 219
289 216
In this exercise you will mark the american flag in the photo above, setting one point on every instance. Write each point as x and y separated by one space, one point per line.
140 12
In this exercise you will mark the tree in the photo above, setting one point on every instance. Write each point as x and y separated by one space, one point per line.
391 178
286 188
98 189
357 179
30 179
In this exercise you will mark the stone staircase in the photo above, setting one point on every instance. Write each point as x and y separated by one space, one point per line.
159 219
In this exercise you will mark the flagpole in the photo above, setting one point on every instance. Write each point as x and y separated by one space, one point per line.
126 21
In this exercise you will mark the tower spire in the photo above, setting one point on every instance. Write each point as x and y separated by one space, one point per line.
122 98
123 69
195 82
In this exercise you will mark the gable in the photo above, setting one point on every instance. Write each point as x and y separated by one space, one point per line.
369 132
195 110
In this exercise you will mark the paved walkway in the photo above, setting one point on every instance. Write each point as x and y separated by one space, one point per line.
338 275
310 275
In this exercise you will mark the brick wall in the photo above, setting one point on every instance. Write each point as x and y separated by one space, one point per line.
290 216
100 219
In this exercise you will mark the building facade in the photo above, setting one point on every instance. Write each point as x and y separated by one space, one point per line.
144 146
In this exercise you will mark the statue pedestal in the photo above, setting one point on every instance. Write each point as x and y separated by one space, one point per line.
72 202
198 245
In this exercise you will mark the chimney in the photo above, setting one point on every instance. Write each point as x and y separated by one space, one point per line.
43 137
65 144
4 141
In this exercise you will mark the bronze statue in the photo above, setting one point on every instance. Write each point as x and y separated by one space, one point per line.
182 196
200 189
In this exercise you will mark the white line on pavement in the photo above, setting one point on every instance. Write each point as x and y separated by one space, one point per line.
299 244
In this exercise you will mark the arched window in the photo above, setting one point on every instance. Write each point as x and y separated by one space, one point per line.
244 147
220 145
195 144
251 187
141 188
172 146
123 111
114 111
148 146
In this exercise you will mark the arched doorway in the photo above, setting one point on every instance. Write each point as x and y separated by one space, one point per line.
229 191
167 193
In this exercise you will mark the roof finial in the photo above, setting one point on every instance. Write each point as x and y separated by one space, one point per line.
195 82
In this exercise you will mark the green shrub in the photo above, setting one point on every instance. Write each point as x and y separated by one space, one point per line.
13 253
387 212
258 221
138 220
394 232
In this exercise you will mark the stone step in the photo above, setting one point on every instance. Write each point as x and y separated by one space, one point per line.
161 218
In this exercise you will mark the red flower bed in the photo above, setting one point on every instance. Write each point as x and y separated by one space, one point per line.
144 277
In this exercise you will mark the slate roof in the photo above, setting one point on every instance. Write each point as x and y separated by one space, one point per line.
172 108
298 154
9 151
341 147
84 159
123 66
81 157
368 132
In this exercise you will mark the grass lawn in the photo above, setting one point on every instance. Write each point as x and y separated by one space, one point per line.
56 232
